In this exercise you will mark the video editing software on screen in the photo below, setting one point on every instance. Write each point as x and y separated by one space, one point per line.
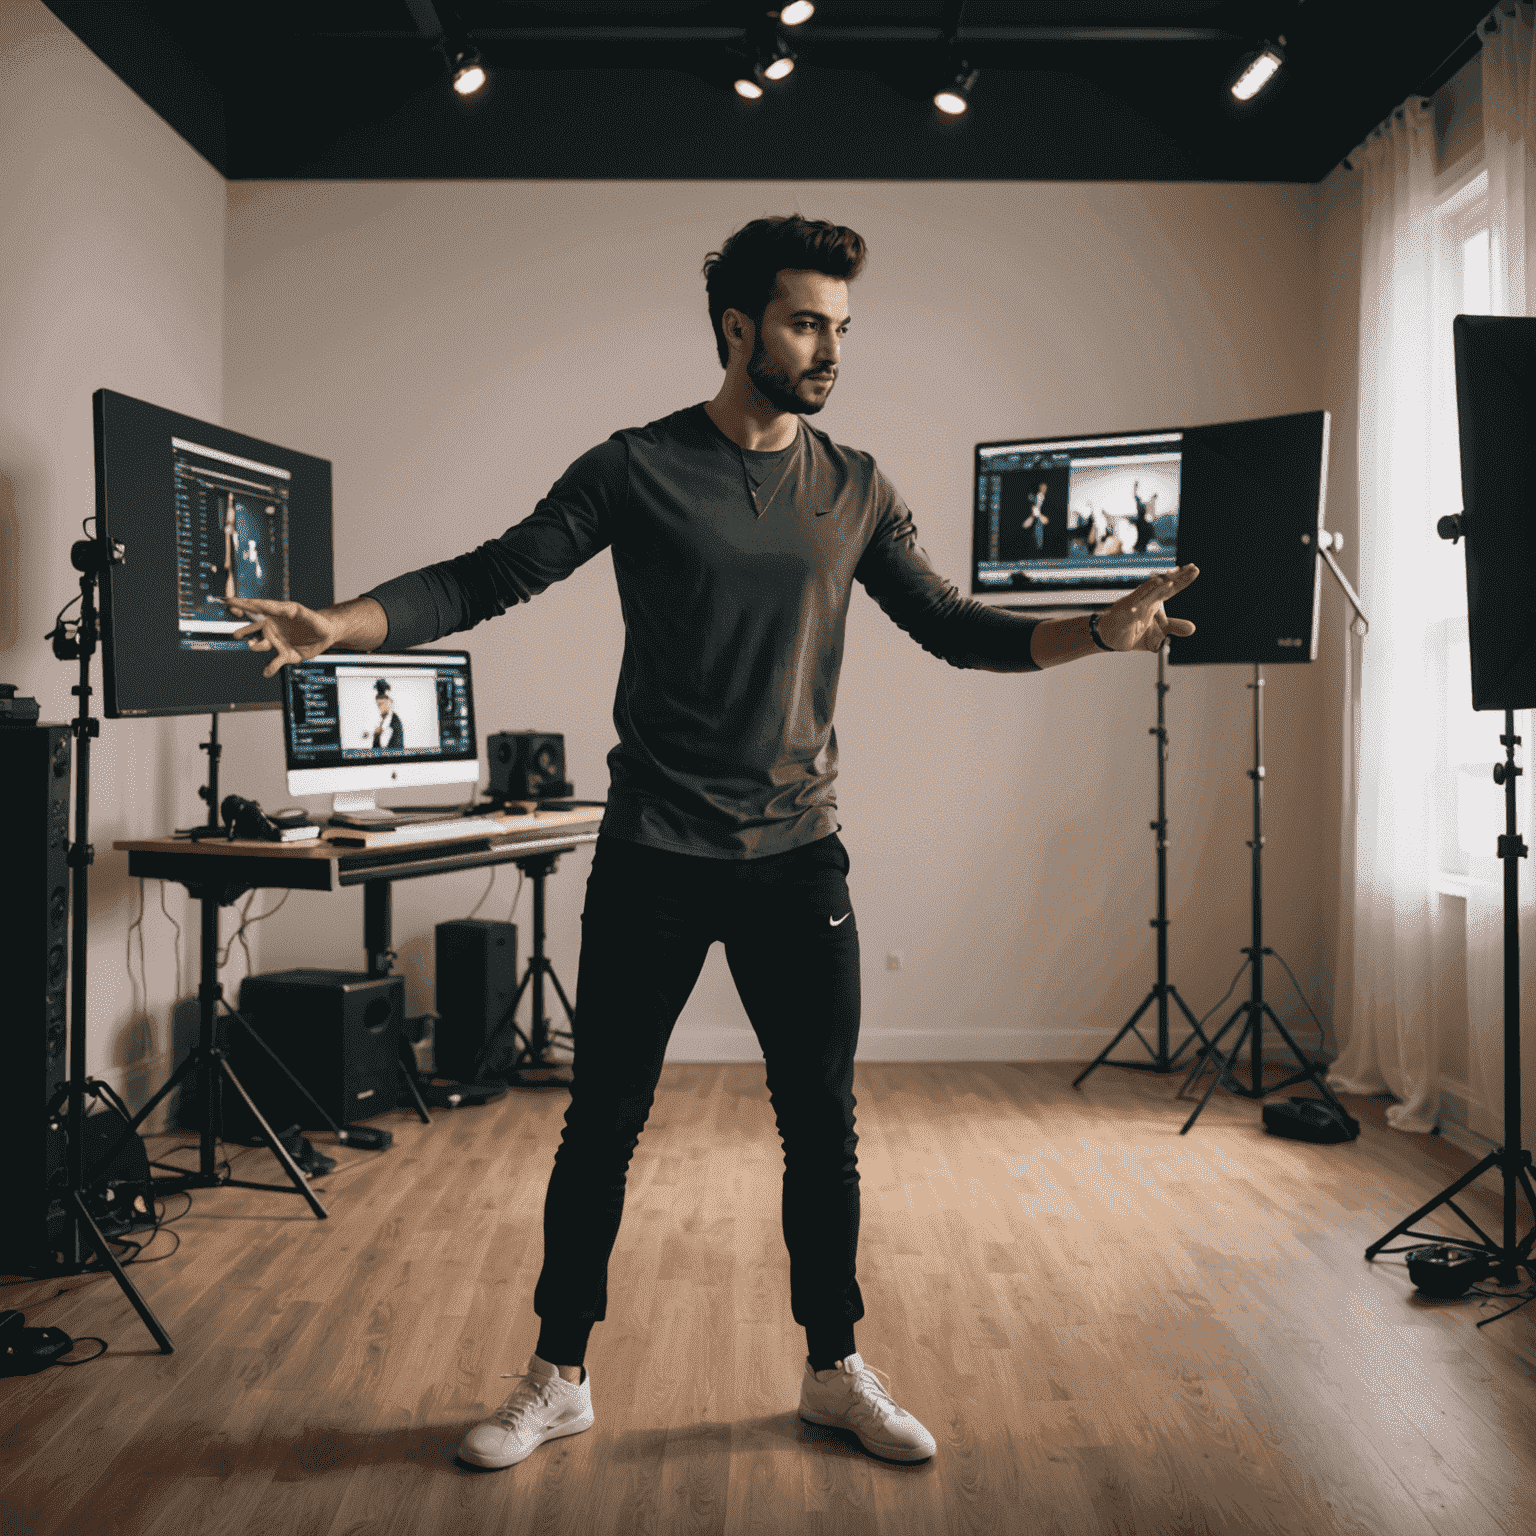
1080 512
231 539
341 710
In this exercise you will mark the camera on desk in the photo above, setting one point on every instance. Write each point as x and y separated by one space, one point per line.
527 765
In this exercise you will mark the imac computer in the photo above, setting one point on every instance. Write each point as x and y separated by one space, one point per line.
1074 521
356 722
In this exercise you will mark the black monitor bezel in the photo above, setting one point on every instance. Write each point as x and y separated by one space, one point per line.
141 676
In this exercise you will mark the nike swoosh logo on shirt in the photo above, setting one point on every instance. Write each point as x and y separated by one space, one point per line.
835 921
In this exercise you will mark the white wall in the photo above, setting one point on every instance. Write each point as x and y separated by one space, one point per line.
452 346
111 273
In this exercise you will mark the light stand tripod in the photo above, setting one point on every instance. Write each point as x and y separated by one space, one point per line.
208 1060
1162 988
1511 1159
1256 1008
90 557
533 1048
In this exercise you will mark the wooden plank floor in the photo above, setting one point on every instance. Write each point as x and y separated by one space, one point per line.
1106 1326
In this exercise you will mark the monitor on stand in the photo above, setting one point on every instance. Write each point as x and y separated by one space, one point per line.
1076 521
203 514
358 722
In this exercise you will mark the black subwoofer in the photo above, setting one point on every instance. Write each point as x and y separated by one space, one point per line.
338 1032
476 982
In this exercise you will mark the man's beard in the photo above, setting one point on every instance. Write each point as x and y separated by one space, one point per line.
772 383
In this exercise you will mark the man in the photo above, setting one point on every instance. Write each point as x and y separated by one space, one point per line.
737 533
388 733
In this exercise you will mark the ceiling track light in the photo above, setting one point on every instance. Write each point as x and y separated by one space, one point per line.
780 64
953 97
1258 70
797 13
467 69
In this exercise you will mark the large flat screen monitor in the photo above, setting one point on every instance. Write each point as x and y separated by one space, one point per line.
357 722
1074 521
204 514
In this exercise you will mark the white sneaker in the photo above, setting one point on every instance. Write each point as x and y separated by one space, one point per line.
852 1396
543 1407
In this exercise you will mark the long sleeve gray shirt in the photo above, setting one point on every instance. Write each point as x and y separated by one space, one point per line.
734 571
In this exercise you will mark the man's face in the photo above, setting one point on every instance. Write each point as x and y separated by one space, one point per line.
384 702
797 350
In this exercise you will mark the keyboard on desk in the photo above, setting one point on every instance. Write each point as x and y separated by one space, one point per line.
424 831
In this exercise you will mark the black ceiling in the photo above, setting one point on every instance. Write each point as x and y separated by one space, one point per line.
1111 90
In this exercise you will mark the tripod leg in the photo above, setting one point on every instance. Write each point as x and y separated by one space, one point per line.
1309 1070
1194 1024
408 1072
565 1002
125 1285
1445 1197
1221 1068
279 1151
1125 1029
1211 1050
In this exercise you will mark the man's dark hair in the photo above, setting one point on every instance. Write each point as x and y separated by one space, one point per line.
744 273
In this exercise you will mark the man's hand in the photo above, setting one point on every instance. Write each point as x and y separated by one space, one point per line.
292 632
1137 621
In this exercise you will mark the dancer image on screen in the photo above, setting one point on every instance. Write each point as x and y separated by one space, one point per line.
1037 519
231 544
738 531
1146 517
388 733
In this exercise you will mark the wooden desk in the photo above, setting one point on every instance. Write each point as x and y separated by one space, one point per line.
221 871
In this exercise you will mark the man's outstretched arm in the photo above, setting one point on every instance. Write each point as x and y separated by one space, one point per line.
567 528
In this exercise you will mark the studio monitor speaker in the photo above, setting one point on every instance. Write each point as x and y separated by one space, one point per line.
476 982
1250 508
34 961
338 1032
527 765
1495 408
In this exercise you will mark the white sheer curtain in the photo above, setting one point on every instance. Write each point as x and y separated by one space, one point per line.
1384 998
1509 156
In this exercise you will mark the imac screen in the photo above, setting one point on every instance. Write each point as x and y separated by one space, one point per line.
355 709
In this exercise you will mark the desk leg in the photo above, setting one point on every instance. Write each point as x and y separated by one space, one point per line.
376 927
377 939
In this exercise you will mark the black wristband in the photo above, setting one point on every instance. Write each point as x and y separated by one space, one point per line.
1095 636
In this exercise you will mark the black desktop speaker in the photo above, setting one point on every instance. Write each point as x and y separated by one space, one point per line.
338 1032
1495 406
476 982
1250 508
527 765
34 960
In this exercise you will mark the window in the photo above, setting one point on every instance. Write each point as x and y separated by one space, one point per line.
1468 811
